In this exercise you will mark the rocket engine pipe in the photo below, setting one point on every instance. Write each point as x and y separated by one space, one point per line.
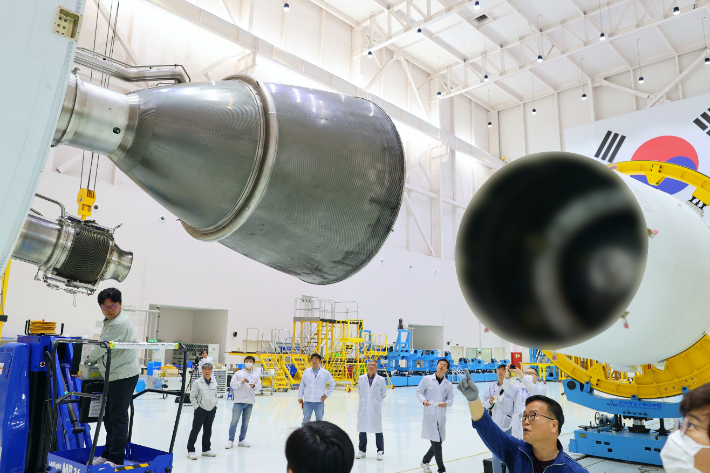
72 252
557 251
307 182
128 73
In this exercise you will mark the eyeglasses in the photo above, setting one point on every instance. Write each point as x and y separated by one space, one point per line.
688 425
107 307
532 416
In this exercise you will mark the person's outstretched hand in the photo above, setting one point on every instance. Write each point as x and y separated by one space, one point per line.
468 388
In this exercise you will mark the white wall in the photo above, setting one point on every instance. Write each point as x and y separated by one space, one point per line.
171 268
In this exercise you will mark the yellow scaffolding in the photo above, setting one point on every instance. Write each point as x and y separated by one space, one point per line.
343 344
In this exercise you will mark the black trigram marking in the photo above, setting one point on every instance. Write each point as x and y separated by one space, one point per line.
703 125
610 146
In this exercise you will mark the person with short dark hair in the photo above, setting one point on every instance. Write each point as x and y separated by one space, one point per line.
687 450
499 400
540 450
319 447
203 396
311 391
245 383
122 377
437 394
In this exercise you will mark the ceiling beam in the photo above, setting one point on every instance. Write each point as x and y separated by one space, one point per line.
381 71
692 66
580 48
537 76
643 95
412 28
587 79
665 39
335 12
224 29
618 53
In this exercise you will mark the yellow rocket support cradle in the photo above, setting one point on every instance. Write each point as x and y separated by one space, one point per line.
689 369
655 172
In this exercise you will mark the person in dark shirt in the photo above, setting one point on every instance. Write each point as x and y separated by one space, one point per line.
540 450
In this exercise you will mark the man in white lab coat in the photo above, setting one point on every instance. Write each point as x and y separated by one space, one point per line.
372 390
311 391
530 387
499 399
436 393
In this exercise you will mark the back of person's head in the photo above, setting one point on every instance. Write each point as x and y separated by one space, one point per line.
319 447
553 408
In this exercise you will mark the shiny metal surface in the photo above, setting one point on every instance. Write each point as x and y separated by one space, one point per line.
71 252
37 241
98 120
128 73
119 265
307 182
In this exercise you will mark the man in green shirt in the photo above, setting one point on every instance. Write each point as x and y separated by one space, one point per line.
122 379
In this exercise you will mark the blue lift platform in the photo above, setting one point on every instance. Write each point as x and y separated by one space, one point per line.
607 437
45 410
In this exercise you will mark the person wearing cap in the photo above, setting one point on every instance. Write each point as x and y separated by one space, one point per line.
311 392
499 400
530 387
203 396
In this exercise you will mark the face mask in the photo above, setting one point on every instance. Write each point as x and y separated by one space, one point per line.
678 455
248 365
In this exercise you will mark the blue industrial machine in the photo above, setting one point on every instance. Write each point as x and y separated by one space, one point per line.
406 366
608 437
45 410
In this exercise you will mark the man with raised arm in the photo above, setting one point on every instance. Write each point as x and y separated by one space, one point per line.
540 450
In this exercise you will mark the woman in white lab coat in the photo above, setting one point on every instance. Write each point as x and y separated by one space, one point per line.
436 393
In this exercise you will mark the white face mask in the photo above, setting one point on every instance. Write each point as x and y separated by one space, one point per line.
248 365
678 455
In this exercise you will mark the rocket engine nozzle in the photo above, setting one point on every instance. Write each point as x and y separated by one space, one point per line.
551 250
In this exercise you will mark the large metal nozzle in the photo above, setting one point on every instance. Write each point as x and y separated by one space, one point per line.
307 182
72 254
551 250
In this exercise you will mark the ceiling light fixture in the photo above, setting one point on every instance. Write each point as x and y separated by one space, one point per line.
438 94
489 111
532 84
369 54
476 5
539 40
286 7
638 54
485 78
707 60
601 22
676 10
584 94
419 31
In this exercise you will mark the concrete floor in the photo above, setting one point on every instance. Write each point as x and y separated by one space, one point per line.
274 417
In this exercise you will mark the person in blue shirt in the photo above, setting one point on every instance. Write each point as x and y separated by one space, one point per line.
540 450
